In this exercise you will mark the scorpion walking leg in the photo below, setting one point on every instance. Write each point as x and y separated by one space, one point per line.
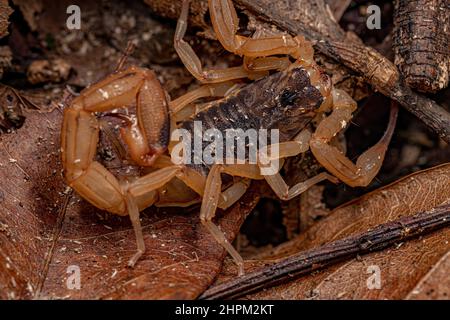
212 195
133 212
225 23
368 164
233 194
236 191
207 90
226 36
182 107
208 209
262 65
142 193
191 60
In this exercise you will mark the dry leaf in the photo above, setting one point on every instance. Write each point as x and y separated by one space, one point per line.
47 231
435 284
404 270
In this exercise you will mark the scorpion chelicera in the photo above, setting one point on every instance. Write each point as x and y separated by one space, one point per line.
285 95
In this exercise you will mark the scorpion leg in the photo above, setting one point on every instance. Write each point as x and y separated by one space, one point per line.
368 164
236 191
133 212
284 192
264 64
191 60
207 90
182 107
289 149
233 193
193 63
225 23
144 185
212 195
80 137
208 209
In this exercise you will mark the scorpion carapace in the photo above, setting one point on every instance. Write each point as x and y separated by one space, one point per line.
286 100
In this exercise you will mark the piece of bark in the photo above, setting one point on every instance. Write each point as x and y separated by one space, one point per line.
402 267
421 43
5 12
338 7
312 19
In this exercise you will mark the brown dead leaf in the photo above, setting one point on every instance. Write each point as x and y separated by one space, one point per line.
435 284
47 232
414 269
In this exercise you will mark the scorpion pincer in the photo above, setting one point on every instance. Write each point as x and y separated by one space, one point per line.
286 96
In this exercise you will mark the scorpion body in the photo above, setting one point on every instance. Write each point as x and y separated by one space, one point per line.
285 101
286 96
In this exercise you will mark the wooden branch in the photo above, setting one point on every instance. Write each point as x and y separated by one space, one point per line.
305 262
311 19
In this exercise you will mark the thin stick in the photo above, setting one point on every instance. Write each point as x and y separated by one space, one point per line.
305 262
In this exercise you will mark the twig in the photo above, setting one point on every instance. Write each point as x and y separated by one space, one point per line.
315 24
305 262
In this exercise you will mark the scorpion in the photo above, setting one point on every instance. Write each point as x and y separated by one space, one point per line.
288 92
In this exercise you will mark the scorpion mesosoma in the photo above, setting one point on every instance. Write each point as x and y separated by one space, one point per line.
287 99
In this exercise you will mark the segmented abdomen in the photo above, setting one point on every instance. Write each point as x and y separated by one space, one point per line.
285 101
